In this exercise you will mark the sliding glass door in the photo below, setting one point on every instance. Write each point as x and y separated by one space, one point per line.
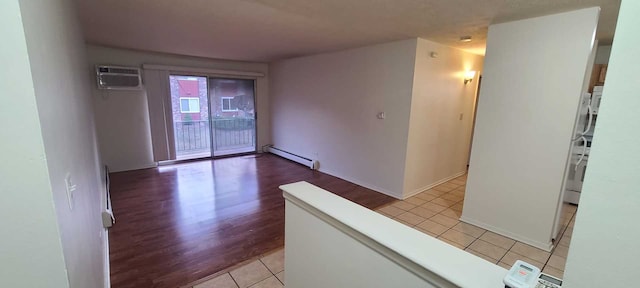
190 115
212 116
233 115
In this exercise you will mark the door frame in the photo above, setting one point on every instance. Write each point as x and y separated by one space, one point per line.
210 76
475 114
255 114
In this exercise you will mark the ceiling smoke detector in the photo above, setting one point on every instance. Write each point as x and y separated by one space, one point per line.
465 38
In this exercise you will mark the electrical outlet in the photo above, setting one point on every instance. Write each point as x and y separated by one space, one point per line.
71 189
461 115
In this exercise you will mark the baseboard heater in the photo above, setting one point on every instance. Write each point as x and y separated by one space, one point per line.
107 214
313 164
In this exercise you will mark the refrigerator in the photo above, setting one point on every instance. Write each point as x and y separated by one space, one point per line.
577 162
580 148
578 159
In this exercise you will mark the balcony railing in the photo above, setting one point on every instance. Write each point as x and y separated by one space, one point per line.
229 135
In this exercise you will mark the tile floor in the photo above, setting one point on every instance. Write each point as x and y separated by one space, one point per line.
434 212
266 272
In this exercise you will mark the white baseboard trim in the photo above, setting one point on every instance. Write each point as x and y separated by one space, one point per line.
361 183
136 167
107 269
425 188
544 246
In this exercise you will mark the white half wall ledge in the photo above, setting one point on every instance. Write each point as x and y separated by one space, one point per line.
326 235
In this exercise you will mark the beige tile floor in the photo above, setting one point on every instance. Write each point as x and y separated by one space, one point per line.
266 272
436 213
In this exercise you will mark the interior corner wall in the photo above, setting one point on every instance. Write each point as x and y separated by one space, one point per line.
122 117
30 245
441 119
324 107
531 88
57 57
604 245
602 55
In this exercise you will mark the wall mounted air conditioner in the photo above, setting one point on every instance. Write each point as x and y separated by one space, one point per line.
118 77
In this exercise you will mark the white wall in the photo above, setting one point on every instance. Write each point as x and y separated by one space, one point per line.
122 117
324 107
531 87
45 243
58 60
438 144
602 55
333 242
604 248
30 243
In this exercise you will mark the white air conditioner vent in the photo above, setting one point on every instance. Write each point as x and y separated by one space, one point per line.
118 78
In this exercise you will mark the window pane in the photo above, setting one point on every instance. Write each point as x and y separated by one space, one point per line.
226 105
233 104
190 116
184 105
194 105
234 115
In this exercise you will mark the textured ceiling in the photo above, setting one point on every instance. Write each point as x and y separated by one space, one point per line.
267 30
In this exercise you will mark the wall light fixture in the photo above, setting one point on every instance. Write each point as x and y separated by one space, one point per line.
468 76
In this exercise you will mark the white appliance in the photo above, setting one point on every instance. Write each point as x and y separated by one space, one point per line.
118 77
580 150
525 275
575 178
596 98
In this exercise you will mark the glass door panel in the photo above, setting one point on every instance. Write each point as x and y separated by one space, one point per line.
233 116
190 115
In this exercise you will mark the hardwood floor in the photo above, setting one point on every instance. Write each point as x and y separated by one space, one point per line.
180 223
